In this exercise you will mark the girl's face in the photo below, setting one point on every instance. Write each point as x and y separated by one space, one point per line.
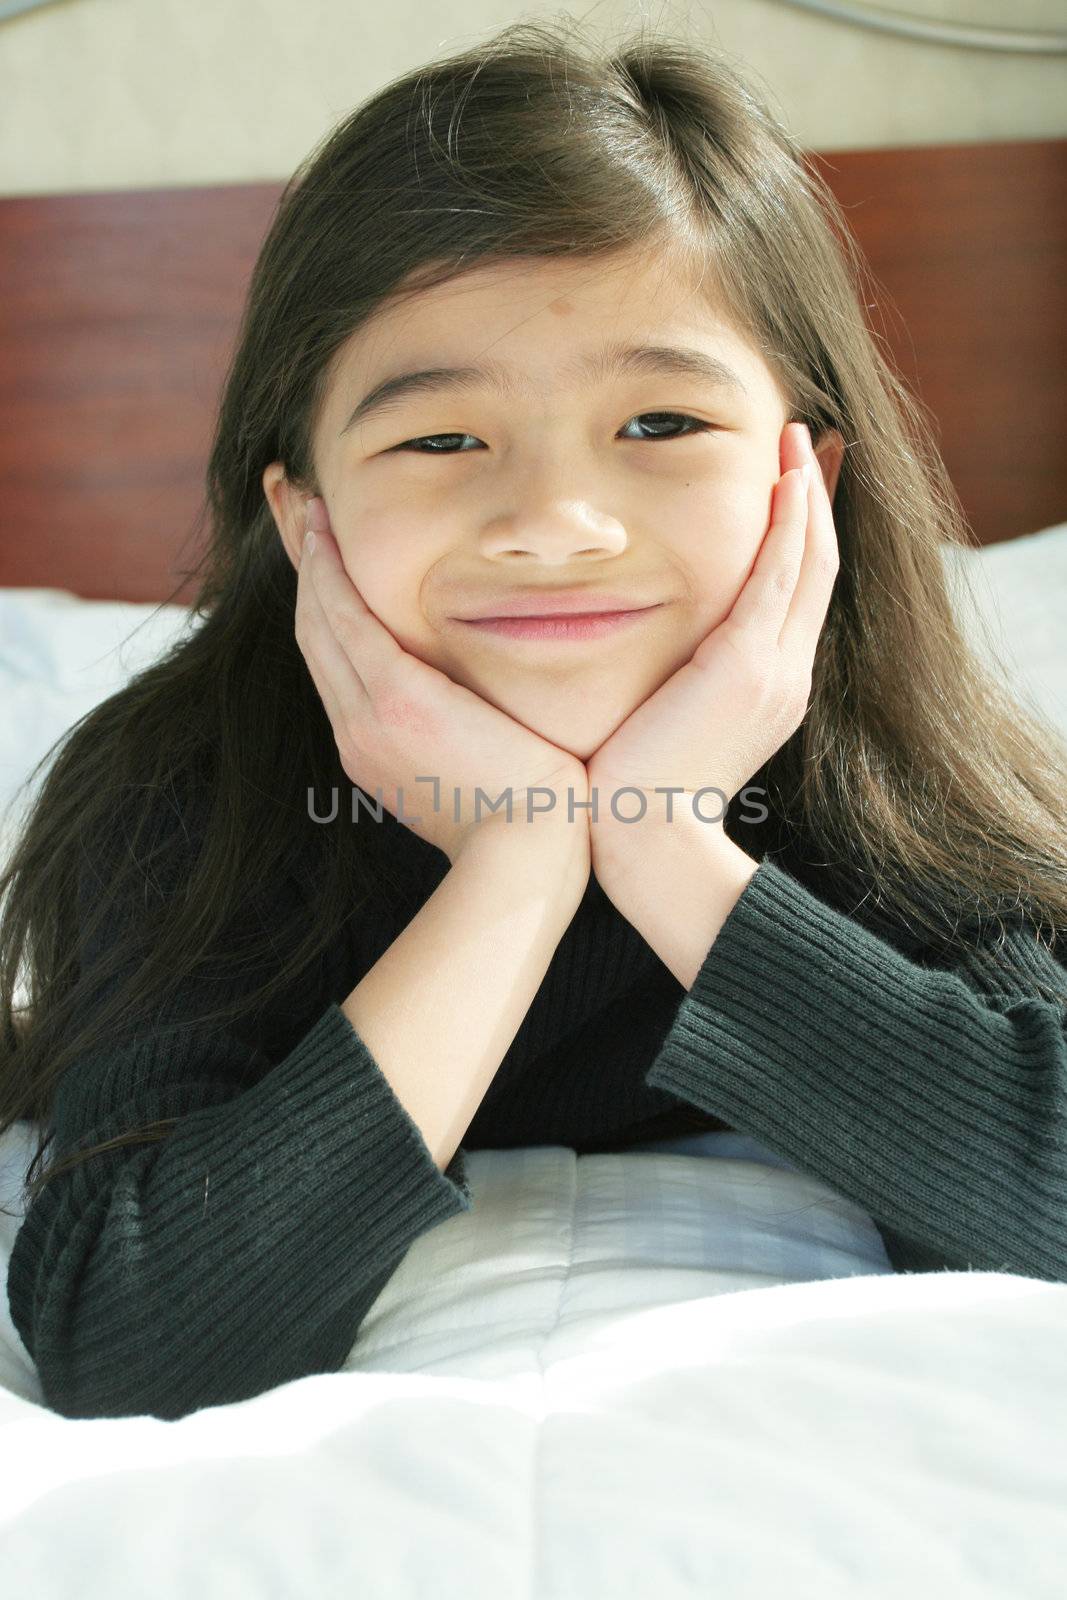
549 473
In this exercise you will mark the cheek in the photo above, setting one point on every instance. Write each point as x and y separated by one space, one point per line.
389 587
718 549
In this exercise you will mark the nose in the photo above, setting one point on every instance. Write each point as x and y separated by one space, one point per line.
555 534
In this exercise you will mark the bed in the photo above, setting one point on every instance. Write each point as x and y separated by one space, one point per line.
661 1372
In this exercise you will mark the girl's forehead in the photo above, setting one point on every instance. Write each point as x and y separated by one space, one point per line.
516 307
631 281
539 322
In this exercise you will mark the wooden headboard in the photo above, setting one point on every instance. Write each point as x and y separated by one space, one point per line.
120 311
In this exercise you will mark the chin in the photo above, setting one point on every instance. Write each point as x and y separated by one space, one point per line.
562 717
576 739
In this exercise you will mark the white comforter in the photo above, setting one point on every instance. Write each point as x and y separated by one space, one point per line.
613 1377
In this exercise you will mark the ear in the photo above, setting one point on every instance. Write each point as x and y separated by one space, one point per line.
288 508
830 452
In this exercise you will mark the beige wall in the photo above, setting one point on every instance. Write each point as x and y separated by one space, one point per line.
111 94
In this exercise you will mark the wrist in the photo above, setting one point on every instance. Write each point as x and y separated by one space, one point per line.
552 842
640 854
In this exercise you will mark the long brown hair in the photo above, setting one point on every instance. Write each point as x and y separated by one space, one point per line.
917 785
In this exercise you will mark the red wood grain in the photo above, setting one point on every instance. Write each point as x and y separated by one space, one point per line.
968 247
119 311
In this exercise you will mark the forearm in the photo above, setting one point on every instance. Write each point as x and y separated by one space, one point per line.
440 1008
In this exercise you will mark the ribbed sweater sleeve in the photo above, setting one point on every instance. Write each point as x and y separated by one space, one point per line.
241 1251
935 1099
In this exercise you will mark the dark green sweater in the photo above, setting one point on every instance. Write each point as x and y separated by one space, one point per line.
245 1249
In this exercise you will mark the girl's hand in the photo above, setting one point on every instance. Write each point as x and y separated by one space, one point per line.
396 719
715 722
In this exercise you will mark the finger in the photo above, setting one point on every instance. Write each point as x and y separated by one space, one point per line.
818 572
333 673
371 649
763 604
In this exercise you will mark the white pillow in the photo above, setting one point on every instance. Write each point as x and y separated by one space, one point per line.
1018 591
60 656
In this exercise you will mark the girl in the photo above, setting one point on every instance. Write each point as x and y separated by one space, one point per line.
538 327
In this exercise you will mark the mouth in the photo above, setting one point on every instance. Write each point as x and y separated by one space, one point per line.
563 627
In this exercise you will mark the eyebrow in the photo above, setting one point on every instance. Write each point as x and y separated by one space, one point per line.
659 360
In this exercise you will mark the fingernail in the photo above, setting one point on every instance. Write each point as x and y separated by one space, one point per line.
317 517
309 542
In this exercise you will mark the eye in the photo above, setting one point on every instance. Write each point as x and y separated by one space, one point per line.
695 426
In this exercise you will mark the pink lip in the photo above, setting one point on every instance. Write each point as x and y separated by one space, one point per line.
555 603
590 625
